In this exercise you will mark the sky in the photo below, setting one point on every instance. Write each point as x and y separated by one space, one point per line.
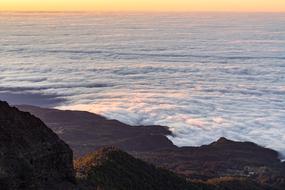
144 5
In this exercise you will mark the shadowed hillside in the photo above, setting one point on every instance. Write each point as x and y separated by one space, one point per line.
112 169
31 155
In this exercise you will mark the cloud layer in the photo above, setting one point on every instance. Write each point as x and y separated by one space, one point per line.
204 76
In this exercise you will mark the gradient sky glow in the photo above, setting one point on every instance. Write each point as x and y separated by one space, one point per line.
143 5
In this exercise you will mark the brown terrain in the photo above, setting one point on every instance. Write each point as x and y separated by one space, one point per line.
86 132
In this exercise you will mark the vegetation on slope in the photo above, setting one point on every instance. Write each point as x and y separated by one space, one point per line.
112 169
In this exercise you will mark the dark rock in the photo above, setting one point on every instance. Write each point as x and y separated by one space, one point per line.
31 155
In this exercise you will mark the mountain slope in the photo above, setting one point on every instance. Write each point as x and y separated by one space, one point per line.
112 169
31 155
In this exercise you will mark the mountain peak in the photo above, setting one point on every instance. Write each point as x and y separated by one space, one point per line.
224 140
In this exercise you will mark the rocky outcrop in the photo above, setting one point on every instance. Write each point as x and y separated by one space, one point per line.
31 155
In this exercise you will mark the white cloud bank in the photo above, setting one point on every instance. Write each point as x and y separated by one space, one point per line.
204 76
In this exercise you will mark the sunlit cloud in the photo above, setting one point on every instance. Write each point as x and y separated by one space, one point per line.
143 5
191 72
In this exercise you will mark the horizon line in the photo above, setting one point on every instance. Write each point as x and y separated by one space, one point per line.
131 11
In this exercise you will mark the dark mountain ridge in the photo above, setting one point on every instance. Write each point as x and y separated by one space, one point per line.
86 132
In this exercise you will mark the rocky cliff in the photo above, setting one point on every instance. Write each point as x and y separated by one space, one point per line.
31 155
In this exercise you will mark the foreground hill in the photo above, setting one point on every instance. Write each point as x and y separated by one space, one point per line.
112 169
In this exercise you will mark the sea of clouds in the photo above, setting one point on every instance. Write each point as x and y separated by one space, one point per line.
203 75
